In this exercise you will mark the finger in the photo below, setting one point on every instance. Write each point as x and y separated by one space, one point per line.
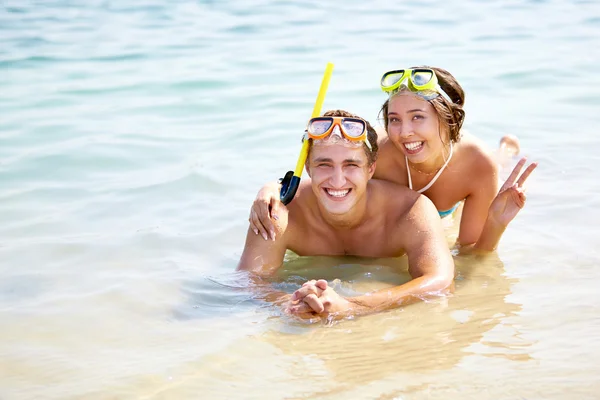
522 197
314 303
309 317
326 301
275 203
305 291
321 284
297 295
311 282
515 196
252 224
301 308
262 210
514 174
302 314
258 225
526 174
269 221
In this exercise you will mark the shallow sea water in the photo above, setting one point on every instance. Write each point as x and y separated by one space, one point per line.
135 134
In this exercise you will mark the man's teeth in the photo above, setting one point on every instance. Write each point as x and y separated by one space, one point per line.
337 193
413 145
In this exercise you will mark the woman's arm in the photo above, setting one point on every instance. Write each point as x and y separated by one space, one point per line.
484 187
505 207
264 209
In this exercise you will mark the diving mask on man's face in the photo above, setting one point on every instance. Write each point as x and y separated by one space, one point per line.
352 129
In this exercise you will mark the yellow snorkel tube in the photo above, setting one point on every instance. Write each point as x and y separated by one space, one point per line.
291 180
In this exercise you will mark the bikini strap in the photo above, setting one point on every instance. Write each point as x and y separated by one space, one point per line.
408 171
436 175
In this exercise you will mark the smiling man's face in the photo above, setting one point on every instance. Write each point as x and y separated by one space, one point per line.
339 174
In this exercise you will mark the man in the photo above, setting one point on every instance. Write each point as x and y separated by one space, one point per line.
341 211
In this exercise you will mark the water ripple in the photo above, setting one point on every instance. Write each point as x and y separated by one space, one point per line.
134 136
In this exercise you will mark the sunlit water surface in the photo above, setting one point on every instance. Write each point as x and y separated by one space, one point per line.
135 134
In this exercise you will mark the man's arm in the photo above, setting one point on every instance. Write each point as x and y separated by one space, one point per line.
262 258
430 265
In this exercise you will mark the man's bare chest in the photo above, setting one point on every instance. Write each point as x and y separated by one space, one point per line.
360 244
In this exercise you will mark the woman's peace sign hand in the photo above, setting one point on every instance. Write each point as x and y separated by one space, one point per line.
511 197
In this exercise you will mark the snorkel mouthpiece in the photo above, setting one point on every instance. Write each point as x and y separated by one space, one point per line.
289 187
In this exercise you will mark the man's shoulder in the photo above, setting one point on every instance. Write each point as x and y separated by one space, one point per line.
392 198
300 205
304 194
399 192
415 213
405 210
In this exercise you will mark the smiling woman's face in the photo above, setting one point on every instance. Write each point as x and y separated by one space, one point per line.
414 127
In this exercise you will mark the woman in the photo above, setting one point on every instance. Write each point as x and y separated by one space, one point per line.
423 148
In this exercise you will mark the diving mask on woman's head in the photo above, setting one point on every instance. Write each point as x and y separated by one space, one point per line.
352 129
421 81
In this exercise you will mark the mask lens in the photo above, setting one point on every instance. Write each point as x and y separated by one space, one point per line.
353 127
391 78
319 126
421 78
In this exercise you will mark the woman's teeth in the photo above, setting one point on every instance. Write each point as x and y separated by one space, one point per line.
412 146
337 193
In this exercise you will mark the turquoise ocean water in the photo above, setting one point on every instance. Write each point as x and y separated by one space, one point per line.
135 134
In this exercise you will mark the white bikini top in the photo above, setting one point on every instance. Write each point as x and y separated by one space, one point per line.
434 178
